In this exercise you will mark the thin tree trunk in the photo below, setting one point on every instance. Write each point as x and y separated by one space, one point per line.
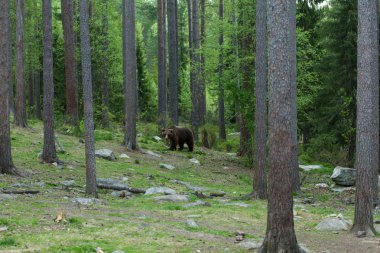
6 164
222 125
31 88
196 89
49 154
37 93
131 95
259 178
173 62
105 63
87 101
280 234
367 130
20 109
191 49
202 82
162 92
293 82
71 78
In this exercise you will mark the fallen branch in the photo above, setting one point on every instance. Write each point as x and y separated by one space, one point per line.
22 192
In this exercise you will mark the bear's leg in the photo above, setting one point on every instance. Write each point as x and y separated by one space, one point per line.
181 143
173 145
190 144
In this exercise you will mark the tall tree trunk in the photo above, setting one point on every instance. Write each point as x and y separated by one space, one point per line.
173 62
10 90
280 235
105 63
20 109
367 130
196 89
6 164
31 87
162 92
293 82
202 82
131 97
49 154
259 178
191 49
87 101
222 125
71 78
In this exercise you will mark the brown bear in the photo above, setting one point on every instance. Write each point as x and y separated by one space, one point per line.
178 136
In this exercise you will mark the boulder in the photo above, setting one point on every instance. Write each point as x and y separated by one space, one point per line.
86 201
105 154
344 176
241 204
167 166
160 190
195 161
109 183
191 223
250 244
68 183
336 223
121 194
172 198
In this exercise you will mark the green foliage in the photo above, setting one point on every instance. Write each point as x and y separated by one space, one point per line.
8 241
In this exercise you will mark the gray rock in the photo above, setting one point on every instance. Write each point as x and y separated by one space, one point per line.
86 201
167 166
109 183
321 186
68 183
195 161
310 167
172 198
119 251
344 176
197 188
121 194
7 196
250 244
151 153
158 190
21 185
194 216
231 154
241 204
105 154
3 228
303 248
180 182
217 194
333 224
197 203
191 223
124 156
337 188
157 138
39 184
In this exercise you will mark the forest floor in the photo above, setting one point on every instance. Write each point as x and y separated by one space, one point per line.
140 224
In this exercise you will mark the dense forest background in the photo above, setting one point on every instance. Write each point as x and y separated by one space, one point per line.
326 68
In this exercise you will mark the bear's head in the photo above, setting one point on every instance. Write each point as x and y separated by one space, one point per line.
168 133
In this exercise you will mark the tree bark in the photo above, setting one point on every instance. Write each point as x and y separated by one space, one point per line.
71 78
87 101
173 62
6 164
367 130
260 154
202 83
280 234
10 90
222 125
162 89
131 96
37 93
20 109
49 154
293 81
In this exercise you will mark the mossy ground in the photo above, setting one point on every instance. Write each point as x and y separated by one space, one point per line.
140 224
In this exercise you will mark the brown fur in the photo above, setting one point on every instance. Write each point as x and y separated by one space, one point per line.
178 136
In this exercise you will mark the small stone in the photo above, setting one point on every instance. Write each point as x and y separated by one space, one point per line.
197 203
157 138
337 188
191 223
55 164
125 179
3 228
231 154
250 245
303 248
195 161
172 198
361 234
124 156
167 166
148 152
197 188
118 251
121 194
310 167
333 224
99 250
7 196
106 154
321 186
158 190
68 183
194 216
